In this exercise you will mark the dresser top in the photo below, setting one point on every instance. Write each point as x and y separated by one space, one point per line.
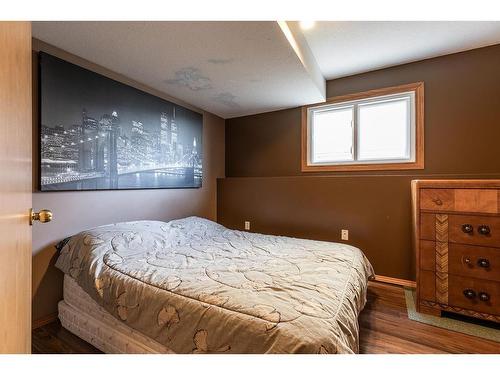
457 183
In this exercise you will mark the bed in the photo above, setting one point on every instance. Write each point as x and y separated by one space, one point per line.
194 286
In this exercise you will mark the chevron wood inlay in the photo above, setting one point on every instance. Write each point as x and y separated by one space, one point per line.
441 228
442 287
442 258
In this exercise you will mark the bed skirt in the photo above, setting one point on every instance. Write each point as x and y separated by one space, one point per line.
83 317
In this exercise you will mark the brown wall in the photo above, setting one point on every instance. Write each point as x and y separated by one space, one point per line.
76 211
264 183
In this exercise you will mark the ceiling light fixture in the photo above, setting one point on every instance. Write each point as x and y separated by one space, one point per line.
306 25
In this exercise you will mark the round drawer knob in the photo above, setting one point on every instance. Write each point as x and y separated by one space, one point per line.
469 293
467 228
467 261
485 297
485 263
484 230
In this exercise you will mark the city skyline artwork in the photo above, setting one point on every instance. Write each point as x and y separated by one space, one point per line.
99 134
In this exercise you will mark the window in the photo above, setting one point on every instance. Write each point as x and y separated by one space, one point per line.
378 129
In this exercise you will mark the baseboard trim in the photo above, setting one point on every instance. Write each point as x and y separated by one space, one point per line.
396 281
44 320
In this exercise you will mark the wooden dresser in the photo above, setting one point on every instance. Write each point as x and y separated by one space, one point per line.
457 240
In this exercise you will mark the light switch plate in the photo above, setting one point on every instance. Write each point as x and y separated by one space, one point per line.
247 225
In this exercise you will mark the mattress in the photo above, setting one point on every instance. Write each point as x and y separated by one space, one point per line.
194 286
82 316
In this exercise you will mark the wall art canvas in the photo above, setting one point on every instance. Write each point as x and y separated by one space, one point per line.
99 134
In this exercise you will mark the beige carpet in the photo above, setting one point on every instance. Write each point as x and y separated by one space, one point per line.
449 323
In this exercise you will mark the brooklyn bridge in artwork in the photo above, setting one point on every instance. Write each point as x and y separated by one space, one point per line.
97 133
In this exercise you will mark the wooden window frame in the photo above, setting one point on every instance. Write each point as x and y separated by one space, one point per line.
418 163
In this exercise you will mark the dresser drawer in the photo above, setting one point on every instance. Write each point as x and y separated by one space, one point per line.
477 200
428 226
427 255
460 200
474 261
437 199
474 294
474 230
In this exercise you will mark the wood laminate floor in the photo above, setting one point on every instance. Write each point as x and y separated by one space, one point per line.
384 328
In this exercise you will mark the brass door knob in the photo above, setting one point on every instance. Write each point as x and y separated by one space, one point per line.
44 216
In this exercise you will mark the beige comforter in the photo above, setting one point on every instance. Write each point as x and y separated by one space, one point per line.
198 287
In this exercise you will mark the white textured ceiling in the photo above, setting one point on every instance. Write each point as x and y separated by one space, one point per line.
227 68
240 68
347 48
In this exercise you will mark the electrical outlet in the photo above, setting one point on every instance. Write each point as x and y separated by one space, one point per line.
247 225
344 234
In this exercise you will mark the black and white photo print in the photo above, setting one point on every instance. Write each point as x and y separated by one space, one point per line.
97 133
